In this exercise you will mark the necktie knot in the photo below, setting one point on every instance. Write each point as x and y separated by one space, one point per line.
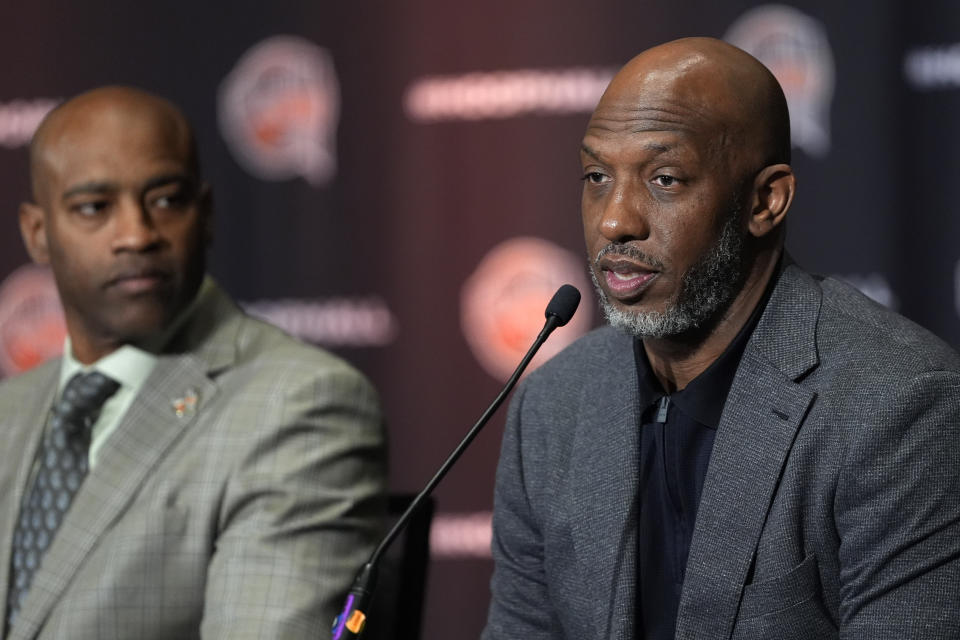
82 399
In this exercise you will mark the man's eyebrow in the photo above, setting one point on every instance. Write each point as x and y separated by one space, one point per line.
100 188
184 179
89 188
659 147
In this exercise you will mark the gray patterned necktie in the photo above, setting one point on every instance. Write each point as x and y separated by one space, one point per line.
61 468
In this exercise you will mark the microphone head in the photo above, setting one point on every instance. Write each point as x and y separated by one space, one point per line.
563 304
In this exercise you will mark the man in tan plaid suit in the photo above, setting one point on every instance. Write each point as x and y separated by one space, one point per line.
236 477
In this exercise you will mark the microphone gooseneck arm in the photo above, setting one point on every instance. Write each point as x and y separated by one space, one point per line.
351 621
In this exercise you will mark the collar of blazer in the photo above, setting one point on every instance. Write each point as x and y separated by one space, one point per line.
212 335
204 347
765 408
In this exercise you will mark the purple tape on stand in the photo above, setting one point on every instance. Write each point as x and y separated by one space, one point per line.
341 621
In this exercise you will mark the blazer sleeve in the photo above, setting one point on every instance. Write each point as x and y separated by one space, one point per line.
898 514
302 510
520 605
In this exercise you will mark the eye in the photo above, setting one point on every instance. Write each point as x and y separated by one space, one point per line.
665 180
595 177
174 201
89 209
169 199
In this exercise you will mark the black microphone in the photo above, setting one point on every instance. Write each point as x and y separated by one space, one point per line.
353 618
563 304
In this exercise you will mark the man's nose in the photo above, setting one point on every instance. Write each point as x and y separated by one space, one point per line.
624 216
134 229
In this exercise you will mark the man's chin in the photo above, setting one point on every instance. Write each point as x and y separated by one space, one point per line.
140 325
643 323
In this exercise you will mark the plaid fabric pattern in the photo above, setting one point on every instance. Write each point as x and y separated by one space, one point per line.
62 466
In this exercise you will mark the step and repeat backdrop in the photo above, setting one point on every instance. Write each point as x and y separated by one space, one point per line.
399 181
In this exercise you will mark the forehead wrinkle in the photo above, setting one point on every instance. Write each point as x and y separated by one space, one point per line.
658 148
667 115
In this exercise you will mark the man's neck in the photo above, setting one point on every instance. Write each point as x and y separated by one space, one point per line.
86 351
677 360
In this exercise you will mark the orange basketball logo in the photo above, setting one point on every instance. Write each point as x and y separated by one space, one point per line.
278 110
32 328
503 301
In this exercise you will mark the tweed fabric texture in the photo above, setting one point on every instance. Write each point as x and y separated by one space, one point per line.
829 509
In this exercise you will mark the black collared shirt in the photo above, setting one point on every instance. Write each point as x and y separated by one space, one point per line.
676 438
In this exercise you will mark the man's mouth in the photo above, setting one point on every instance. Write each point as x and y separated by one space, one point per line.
139 282
626 280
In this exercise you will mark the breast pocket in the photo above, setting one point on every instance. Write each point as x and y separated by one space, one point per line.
785 607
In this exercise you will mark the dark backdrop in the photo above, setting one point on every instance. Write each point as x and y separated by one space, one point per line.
447 210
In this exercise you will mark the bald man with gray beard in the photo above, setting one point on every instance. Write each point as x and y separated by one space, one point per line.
747 451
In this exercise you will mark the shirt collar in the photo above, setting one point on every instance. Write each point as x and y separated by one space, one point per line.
128 365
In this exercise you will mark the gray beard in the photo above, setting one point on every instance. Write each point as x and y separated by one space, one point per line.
706 290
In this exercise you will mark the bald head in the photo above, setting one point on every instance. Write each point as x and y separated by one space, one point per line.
113 108
709 83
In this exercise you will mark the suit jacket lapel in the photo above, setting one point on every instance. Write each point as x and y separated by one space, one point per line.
22 432
603 479
145 435
764 409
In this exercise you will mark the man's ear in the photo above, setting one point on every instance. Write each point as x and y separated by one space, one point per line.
33 228
774 187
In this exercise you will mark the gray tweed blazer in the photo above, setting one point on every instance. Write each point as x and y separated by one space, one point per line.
243 515
831 506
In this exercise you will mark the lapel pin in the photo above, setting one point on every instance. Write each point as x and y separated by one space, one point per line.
186 405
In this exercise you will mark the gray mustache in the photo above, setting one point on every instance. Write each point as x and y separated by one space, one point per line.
629 251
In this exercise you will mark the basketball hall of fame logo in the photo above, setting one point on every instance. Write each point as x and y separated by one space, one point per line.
503 300
278 110
32 328
795 48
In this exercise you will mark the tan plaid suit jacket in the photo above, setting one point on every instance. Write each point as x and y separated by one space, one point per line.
245 514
